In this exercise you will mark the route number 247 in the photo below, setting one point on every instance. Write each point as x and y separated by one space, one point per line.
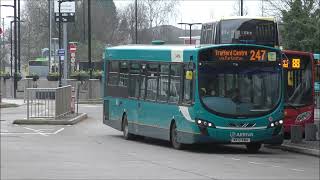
257 55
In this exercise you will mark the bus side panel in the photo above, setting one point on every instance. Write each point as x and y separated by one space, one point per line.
111 114
153 122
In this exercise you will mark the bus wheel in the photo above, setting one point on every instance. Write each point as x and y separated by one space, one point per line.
125 129
173 137
253 147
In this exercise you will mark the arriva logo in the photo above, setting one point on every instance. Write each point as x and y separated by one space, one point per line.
240 134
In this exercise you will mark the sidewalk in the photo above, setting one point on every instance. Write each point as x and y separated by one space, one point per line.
305 147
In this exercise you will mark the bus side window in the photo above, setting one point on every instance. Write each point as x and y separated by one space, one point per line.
123 76
175 83
113 73
163 83
143 74
152 81
134 80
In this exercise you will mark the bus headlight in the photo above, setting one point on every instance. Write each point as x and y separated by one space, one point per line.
275 123
204 124
303 116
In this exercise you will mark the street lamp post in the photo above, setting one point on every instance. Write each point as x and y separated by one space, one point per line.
11 36
190 25
15 49
136 19
241 7
60 72
89 38
19 38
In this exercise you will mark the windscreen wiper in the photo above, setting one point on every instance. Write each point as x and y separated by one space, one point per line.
291 105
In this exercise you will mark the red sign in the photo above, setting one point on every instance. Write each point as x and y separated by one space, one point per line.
1 31
72 48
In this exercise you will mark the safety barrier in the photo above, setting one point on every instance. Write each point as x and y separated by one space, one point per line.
49 102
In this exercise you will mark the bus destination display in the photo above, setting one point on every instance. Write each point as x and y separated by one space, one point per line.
243 55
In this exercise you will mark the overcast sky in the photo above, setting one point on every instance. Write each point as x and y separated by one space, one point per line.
188 10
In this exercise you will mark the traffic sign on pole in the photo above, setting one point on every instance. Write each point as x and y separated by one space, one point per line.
61 52
72 48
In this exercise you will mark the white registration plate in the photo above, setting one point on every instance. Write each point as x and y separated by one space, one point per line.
240 140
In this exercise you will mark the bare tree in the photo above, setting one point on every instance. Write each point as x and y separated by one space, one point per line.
237 9
159 11
151 13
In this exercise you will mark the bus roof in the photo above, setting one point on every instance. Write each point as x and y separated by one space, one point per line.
175 47
174 53
152 47
249 17
302 53
242 17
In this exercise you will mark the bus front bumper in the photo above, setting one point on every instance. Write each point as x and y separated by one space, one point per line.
219 136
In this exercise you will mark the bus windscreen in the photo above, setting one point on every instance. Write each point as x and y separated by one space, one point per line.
298 80
248 31
229 77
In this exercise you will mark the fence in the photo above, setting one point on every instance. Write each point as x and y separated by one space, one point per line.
49 102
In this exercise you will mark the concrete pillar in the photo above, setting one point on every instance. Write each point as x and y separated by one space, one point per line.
7 88
296 134
2 88
310 132
94 89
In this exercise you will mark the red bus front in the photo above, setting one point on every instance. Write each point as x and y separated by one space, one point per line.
299 94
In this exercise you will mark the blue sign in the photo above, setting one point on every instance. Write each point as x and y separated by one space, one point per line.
61 52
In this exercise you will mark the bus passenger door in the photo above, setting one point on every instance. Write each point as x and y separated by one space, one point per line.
133 106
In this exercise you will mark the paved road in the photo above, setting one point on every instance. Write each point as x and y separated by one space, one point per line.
90 150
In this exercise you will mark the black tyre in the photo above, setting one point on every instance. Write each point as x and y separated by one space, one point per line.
125 129
173 137
253 147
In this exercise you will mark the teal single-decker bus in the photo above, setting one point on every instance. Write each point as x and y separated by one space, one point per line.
228 94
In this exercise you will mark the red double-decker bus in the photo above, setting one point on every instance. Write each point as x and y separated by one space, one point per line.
299 93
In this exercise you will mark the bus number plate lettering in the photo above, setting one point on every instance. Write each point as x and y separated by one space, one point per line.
240 140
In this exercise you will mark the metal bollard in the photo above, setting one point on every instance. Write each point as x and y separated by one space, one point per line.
296 134
310 132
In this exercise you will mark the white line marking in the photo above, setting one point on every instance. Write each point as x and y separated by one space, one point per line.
235 159
58 131
37 131
251 162
34 132
17 133
45 129
300 170
275 166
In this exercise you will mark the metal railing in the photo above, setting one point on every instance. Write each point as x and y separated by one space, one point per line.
48 102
